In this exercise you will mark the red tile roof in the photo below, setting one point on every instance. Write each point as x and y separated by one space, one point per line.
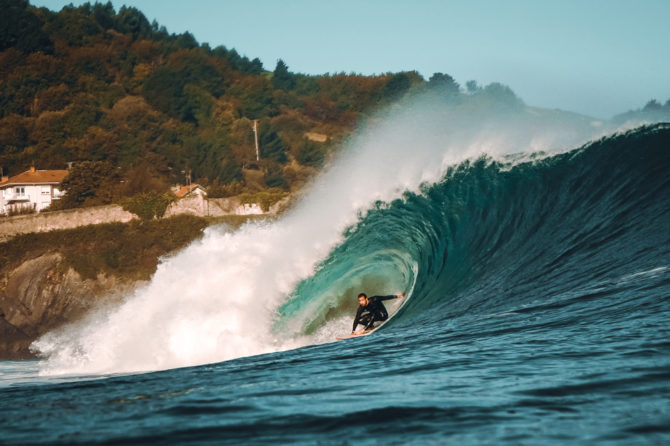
185 190
37 177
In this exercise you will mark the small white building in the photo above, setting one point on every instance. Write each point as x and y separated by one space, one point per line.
30 190
189 191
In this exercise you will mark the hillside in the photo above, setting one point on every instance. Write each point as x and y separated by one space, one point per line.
151 109
93 84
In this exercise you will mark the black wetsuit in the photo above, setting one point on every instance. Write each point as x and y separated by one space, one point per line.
374 311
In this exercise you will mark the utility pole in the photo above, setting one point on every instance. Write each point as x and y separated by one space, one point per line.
258 155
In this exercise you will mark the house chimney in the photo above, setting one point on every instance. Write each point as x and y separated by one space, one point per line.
32 169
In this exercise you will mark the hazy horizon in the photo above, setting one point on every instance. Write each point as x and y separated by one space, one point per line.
598 58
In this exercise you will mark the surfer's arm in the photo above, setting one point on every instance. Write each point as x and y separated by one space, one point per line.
357 318
393 296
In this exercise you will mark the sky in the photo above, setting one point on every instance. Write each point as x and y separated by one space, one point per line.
595 57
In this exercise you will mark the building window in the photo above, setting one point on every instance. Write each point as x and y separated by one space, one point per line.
20 191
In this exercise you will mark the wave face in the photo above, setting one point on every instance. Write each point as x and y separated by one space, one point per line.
506 236
537 311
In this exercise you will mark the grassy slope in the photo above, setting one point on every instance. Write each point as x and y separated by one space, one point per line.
126 250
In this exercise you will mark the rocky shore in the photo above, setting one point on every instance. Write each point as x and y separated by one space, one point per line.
44 293
50 279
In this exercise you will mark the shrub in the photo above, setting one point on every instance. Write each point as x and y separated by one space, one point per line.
311 154
264 199
125 250
21 210
148 206
218 190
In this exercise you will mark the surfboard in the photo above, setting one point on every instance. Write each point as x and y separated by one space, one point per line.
355 335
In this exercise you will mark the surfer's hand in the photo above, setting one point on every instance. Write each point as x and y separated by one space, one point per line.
400 296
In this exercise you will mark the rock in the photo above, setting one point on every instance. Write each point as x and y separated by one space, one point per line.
13 342
44 293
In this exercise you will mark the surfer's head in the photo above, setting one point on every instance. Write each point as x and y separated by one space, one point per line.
363 299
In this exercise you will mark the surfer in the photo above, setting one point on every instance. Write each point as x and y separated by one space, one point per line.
371 310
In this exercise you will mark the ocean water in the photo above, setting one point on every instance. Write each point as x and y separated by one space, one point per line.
537 309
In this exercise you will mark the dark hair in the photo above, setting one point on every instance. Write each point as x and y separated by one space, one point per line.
362 295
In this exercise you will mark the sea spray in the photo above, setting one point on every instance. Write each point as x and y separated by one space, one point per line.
220 298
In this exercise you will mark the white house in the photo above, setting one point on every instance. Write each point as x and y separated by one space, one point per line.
33 189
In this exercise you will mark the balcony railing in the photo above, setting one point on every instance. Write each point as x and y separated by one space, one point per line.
17 197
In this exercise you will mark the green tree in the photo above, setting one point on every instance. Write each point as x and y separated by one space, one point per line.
220 190
397 86
237 62
212 161
230 170
282 79
20 28
104 14
652 105
186 40
444 85
307 85
195 67
272 146
130 20
274 176
74 25
501 95
256 97
311 153
472 86
164 90
89 183
97 144
150 175
200 102
84 113
254 66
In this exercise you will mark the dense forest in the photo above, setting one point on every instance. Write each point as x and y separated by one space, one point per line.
133 109
145 109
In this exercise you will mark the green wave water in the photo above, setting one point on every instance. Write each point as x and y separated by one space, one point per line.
499 234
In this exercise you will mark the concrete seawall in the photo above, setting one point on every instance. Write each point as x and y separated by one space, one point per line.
72 218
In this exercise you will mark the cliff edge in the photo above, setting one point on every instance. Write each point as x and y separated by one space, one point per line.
50 279
44 293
